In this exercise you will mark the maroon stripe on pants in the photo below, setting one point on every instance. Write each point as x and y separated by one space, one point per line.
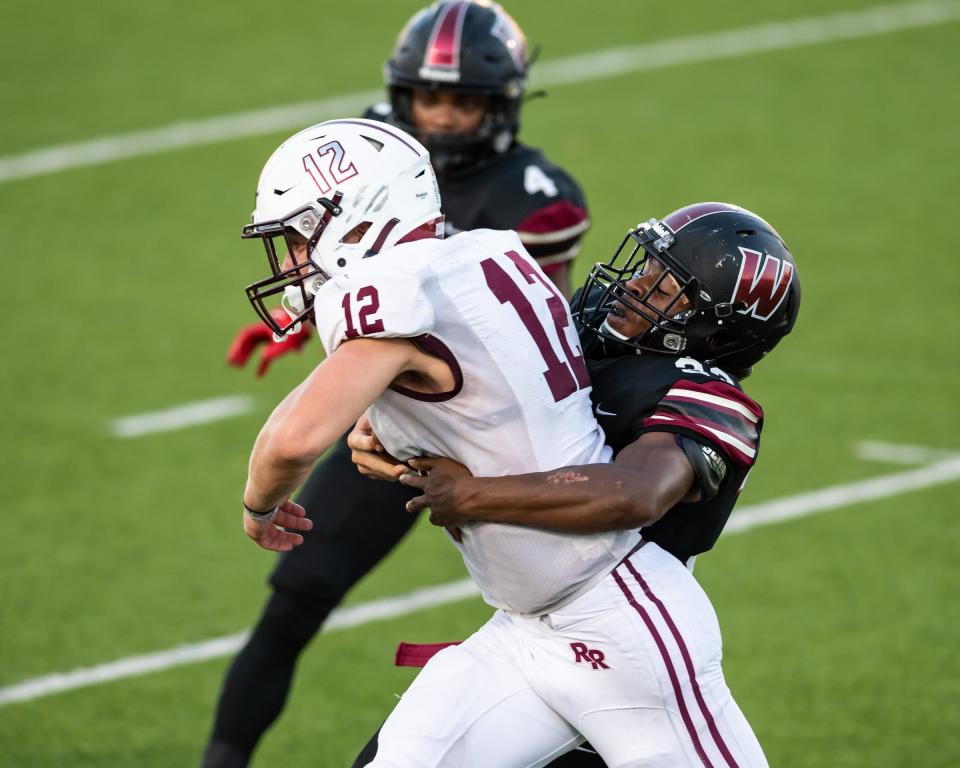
688 663
674 680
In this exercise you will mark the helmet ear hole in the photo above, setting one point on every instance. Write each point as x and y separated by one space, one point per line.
356 234
720 339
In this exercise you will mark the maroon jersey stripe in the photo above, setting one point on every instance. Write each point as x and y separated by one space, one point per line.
734 424
740 452
688 663
732 398
691 407
552 218
717 404
671 671
443 49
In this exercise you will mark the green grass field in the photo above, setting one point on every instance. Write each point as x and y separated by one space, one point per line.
123 285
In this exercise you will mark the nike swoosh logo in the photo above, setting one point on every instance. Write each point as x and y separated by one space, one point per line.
600 412
280 192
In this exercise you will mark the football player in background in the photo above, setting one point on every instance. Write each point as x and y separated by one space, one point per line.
684 309
456 80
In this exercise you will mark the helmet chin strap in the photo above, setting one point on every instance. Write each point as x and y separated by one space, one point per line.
605 328
292 304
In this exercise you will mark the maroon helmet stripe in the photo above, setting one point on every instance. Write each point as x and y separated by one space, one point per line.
668 663
443 49
679 219
382 128
688 663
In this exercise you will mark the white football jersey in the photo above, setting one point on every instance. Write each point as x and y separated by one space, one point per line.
521 402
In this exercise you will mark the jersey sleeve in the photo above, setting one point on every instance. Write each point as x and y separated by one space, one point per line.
543 204
382 305
553 231
712 412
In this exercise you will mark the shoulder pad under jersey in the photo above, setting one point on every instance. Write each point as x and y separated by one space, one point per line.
707 404
374 302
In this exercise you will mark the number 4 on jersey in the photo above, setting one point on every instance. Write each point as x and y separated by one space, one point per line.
535 180
563 377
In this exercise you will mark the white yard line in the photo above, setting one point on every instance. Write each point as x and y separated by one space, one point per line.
134 666
775 511
893 453
747 41
181 416
788 508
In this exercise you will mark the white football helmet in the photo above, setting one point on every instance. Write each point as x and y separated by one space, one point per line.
330 183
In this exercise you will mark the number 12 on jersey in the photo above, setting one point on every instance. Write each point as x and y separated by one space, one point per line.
564 377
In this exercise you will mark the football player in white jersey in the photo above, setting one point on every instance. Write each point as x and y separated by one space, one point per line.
432 338
466 111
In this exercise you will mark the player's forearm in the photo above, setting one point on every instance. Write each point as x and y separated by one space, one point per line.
585 499
316 413
275 472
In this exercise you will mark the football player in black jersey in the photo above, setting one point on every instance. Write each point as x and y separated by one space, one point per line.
456 80
684 309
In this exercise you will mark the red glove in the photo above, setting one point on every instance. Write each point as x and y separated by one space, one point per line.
251 336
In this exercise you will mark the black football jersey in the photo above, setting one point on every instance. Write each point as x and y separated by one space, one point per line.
520 190
635 394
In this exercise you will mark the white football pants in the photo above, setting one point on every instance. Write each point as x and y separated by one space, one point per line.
633 666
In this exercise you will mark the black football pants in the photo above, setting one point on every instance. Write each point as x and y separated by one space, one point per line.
356 522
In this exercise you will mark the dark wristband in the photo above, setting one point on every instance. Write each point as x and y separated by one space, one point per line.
261 517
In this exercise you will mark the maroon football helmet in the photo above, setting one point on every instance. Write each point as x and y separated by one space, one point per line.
733 267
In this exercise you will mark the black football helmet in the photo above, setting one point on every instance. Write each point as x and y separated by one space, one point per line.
732 266
462 47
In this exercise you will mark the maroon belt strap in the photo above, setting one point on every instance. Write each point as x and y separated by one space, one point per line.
418 654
